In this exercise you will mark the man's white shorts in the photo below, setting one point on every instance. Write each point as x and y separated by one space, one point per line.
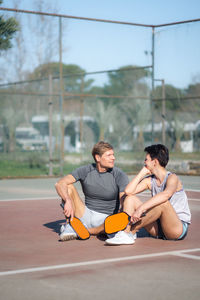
92 218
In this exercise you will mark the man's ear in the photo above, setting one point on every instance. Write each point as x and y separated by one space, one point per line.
97 158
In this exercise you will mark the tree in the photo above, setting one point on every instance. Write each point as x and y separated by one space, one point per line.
72 75
7 30
72 83
124 80
192 102
10 120
173 97
131 81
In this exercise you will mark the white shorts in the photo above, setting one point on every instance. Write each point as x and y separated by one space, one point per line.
92 218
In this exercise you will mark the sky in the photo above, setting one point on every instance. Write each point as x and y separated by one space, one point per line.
100 46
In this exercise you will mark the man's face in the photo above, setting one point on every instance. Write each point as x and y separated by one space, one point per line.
106 160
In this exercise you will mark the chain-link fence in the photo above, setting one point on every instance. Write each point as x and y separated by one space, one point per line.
52 111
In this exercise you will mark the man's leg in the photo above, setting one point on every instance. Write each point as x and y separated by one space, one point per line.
78 205
79 208
67 232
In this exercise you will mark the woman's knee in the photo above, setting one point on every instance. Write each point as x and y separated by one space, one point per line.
165 205
132 201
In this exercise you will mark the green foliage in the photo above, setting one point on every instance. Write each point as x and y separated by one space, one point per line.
172 96
35 161
72 75
13 168
123 81
31 166
7 30
193 92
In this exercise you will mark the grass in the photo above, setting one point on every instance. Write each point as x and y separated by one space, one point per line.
30 164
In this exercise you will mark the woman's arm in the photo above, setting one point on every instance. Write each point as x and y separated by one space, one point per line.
139 183
171 187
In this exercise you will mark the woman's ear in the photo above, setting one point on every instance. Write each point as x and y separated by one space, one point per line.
156 162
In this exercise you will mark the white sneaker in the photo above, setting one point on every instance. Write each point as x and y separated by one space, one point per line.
122 238
62 228
67 233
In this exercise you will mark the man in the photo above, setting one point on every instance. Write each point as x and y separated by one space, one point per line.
167 211
103 187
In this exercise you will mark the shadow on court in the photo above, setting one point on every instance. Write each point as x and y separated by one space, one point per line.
55 225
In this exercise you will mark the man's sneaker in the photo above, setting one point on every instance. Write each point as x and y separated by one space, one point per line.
122 238
67 233
62 228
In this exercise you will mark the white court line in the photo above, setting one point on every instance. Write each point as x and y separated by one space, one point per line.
189 199
101 261
143 194
24 199
186 190
188 256
54 198
191 190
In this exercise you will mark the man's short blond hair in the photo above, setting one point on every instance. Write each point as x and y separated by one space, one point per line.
100 148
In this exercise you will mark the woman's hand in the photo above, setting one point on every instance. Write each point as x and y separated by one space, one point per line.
144 171
137 215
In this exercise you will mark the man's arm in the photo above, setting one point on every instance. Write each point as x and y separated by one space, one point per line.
62 190
139 183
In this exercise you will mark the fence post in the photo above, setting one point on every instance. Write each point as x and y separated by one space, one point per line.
50 126
61 98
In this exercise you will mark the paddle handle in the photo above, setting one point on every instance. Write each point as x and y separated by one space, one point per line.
142 215
62 206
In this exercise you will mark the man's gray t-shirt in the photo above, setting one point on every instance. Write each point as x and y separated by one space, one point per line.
101 190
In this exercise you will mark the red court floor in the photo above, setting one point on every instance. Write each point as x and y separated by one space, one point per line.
31 253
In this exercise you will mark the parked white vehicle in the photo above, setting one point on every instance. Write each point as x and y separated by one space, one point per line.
29 139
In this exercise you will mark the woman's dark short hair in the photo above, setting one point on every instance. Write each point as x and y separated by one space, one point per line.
160 152
100 148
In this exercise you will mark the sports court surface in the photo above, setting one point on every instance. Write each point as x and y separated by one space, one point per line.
36 265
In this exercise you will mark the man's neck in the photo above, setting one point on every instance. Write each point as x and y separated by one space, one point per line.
101 169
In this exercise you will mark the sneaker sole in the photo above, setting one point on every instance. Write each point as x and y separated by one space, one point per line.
68 238
115 244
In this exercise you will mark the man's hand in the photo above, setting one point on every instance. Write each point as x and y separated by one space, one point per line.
68 209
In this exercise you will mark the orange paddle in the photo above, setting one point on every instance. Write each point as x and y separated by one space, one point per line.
117 222
78 226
